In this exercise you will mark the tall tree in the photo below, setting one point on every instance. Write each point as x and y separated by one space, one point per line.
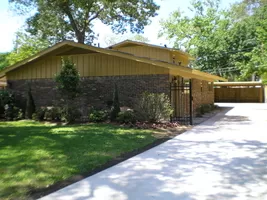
67 19
225 42
3 60
25 46
204 35
113 39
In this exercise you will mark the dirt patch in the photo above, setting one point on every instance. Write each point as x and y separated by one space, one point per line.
162 136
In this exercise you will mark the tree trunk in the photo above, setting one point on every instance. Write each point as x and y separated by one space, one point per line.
80 37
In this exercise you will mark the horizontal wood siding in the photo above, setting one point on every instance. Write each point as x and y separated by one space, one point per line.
87 65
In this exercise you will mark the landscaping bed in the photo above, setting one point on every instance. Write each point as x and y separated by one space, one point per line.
37 158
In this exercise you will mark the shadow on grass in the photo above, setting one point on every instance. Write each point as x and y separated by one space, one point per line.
35 156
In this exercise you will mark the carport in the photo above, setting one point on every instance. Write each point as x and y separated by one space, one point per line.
250 92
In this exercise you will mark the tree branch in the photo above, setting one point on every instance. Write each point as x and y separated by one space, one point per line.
96 14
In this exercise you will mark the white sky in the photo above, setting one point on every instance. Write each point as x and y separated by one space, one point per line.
10 23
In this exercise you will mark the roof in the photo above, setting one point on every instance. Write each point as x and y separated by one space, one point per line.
128 43
72 48
246 83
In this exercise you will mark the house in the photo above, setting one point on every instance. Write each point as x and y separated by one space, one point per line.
2 83
135 67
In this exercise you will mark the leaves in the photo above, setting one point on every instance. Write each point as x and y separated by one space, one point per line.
225 42
58 20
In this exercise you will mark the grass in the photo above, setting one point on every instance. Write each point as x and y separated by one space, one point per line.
35 155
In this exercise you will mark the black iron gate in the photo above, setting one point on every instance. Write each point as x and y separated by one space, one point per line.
181 100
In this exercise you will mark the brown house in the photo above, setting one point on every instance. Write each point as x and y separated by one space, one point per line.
135 67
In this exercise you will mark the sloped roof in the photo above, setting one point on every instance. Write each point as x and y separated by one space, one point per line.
71 48
128 43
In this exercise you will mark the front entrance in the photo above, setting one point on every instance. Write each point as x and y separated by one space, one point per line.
181 100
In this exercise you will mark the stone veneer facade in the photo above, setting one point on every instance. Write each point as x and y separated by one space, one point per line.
96 91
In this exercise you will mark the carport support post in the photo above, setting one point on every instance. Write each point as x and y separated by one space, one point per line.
191 102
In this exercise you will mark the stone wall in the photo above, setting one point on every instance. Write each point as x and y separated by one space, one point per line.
202 92
96 91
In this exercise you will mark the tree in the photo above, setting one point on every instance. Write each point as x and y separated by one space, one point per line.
65 19
225 42
30 106
68 84
26 46
3 60
204 35
115 109
114 39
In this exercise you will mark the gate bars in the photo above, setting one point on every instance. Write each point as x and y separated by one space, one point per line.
181 101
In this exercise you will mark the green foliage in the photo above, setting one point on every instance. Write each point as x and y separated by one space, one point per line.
5 98
74 18
3 60
40 114
127 116
98 115
205 108
49 114
153 107
30 106
8 108
70 114
68 80
116 104
114 39
228 43
26 46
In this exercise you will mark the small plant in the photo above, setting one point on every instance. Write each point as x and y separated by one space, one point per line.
153 107
6 98
30 106
40 114
70 114
98 115
127 116
115 109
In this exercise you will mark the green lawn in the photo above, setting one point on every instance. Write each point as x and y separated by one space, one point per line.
34 155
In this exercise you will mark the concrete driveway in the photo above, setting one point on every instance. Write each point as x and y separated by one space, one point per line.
223 158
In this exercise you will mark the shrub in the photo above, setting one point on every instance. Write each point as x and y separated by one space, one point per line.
153 107
98 115
6 98
40 114
68 80
116 104
30 106
69 114
126 117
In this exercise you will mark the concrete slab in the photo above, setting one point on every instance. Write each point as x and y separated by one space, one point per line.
222 158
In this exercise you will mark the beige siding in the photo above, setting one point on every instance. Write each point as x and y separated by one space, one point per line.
88 65
149 52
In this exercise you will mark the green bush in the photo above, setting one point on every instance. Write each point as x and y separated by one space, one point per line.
6 98
126 117
69 114
115 109
40 114
153 107
98 115
205 108
30 106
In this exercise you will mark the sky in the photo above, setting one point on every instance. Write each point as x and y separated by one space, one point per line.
10 23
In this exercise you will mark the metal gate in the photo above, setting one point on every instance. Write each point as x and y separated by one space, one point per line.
181 100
